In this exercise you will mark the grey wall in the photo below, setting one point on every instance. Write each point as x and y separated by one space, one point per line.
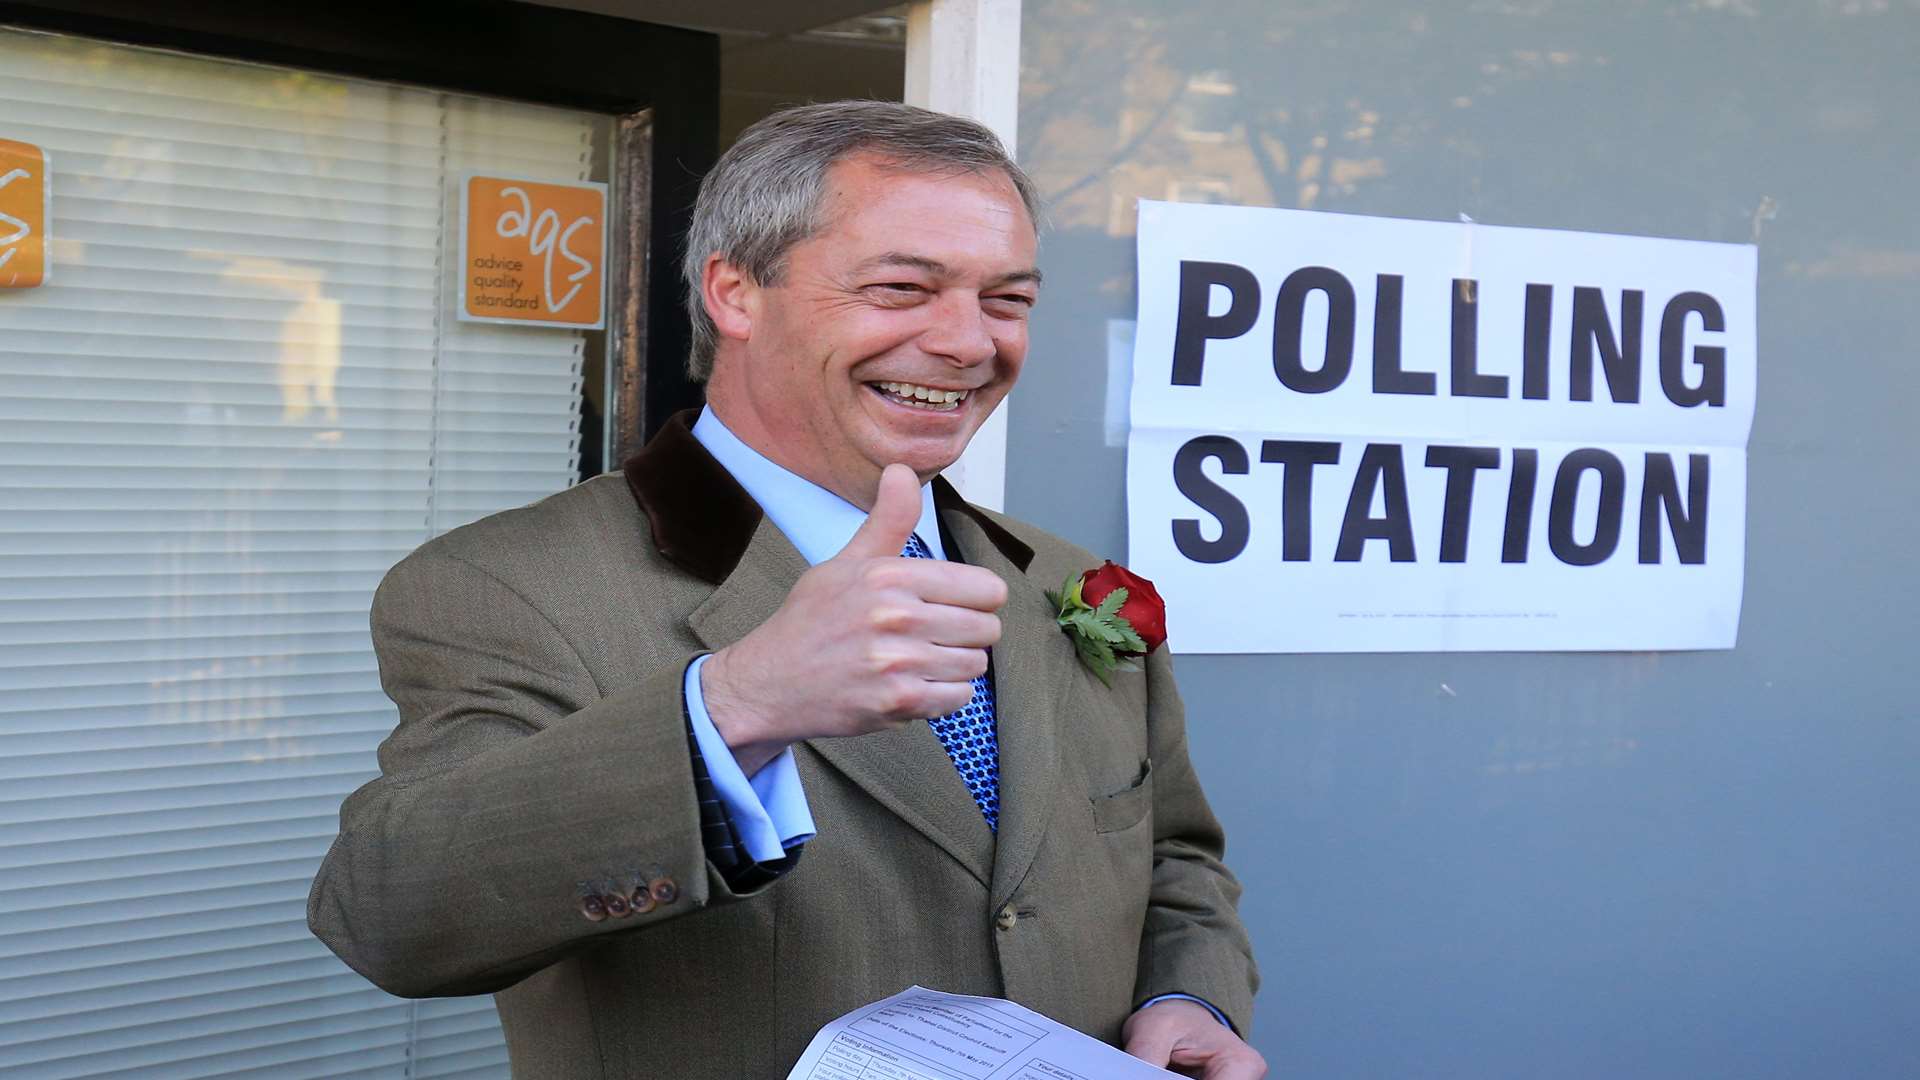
1658 865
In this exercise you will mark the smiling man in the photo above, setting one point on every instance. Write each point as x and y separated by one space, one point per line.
690 764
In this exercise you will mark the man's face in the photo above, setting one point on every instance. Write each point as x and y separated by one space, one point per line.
894 331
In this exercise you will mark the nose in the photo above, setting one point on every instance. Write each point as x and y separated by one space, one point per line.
960 331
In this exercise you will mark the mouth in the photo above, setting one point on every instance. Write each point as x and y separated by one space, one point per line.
915 396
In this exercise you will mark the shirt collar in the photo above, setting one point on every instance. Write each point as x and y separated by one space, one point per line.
818 522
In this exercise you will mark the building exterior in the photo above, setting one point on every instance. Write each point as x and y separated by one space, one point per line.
243 390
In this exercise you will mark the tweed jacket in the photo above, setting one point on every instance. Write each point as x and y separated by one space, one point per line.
535 834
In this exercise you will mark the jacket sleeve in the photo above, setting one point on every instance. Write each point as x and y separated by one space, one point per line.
520 812
1193 941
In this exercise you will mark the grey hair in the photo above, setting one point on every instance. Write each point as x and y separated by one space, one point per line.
763 196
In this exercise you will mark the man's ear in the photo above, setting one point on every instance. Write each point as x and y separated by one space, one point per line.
731 297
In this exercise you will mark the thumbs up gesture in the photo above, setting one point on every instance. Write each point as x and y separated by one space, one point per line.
866 641
896 510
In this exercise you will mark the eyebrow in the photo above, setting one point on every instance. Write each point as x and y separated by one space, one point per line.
940 269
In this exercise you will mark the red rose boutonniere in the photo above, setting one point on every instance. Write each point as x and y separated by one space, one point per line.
1113 616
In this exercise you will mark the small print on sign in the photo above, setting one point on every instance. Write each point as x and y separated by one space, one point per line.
533 252
25 202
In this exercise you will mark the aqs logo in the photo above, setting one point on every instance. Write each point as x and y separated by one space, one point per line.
533 252
24 206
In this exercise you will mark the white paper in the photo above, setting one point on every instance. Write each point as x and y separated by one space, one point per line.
921 1034
1567 568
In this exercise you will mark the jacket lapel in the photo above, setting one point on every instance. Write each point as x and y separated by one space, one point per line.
907 771
1032 670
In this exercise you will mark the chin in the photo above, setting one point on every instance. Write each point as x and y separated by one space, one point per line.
924 452
922 460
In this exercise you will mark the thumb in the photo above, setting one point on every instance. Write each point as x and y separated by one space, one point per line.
1146 1038
896 510
1154 1046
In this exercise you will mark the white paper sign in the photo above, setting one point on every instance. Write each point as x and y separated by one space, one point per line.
1356 434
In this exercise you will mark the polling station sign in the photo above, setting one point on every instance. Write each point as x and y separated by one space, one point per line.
1355 434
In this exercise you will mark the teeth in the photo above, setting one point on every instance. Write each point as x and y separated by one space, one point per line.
917 394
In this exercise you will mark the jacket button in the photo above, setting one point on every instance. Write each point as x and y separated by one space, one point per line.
594 908
642 901
1007 919
617 906
664 890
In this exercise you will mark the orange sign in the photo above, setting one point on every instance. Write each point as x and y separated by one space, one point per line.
25 203
533 252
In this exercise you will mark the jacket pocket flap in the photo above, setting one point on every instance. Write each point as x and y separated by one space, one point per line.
1124 808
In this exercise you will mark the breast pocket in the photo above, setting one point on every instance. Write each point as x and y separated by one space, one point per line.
1123 809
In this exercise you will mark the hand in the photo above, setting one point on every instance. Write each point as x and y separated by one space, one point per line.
866 641
1184 1037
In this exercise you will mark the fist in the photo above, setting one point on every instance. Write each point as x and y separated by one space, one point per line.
1184 1038
866 641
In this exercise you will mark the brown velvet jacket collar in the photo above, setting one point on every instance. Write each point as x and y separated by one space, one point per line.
702 519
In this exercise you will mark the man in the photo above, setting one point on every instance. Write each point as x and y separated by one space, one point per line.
664 780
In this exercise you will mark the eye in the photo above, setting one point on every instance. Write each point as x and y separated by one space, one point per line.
897 293
1017 304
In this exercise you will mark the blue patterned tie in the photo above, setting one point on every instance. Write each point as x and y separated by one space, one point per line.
968 734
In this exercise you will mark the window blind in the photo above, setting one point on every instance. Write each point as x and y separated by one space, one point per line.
242 397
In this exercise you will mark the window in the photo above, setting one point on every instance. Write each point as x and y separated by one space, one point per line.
1208 111
241 398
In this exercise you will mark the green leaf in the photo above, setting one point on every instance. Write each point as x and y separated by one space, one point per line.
1063 601
1111 605
1129 638
1095 626
1100 650
1098 658
1073 592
